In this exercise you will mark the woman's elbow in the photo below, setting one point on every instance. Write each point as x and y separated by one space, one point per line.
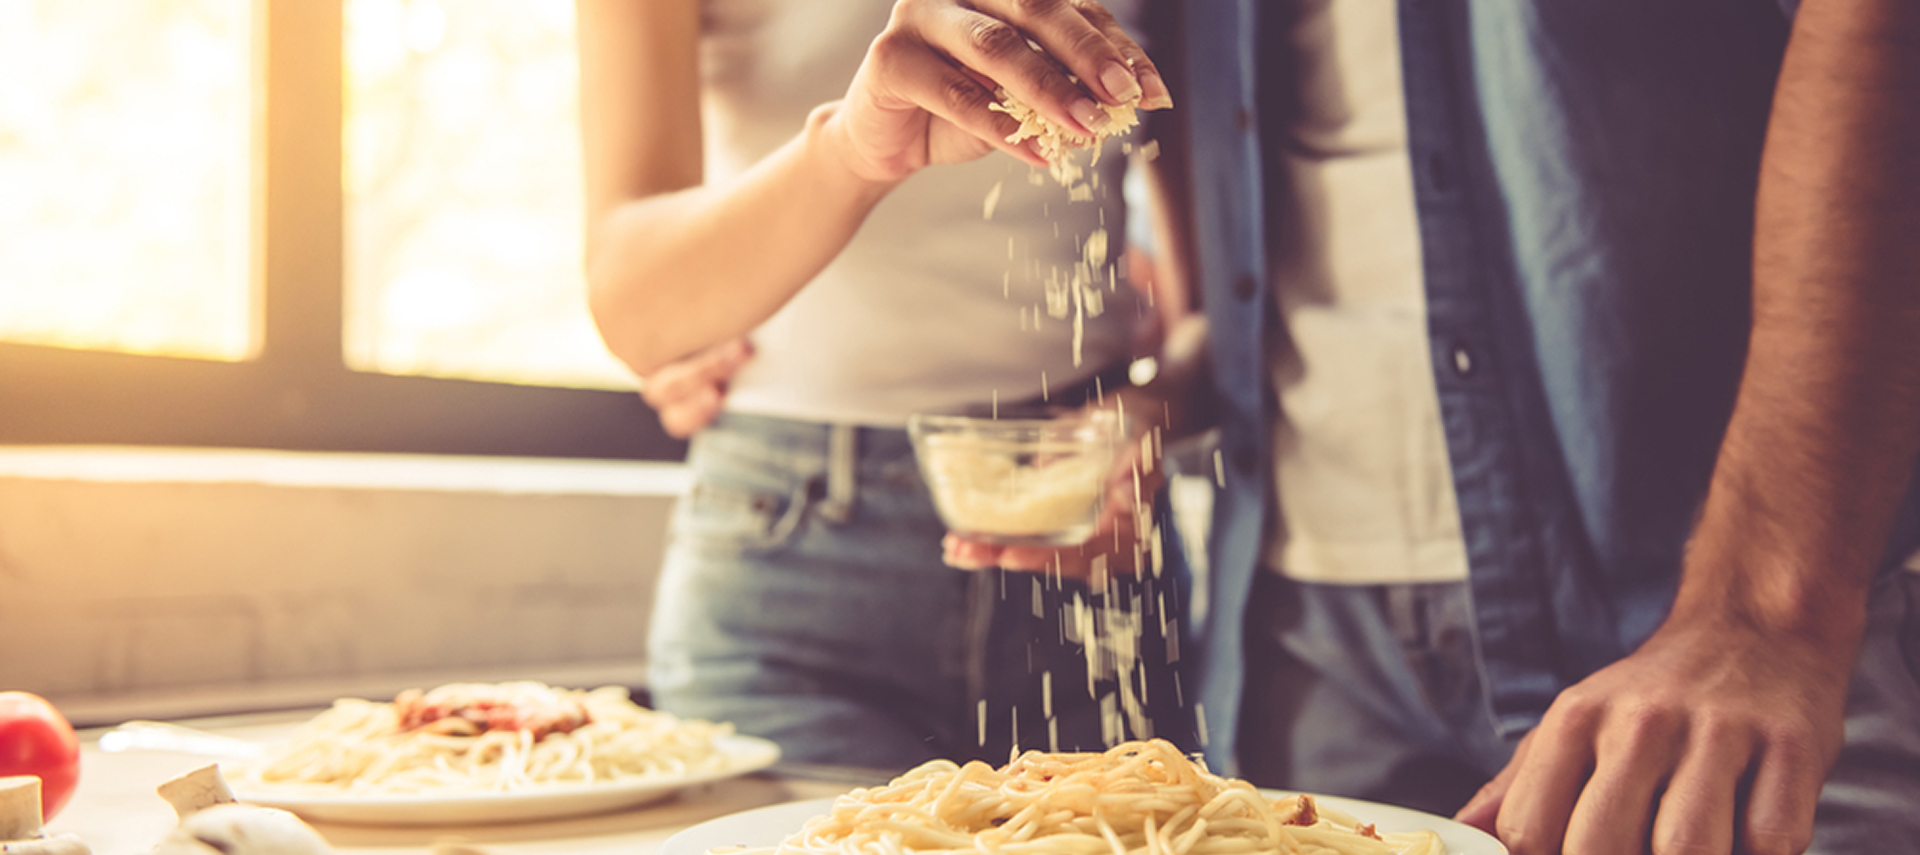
626 323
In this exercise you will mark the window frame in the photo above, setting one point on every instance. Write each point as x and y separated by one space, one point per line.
295 392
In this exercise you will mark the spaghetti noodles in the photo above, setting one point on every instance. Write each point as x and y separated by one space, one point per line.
467 737
1137 798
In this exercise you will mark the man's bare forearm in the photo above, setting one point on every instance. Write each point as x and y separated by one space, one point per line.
1827 424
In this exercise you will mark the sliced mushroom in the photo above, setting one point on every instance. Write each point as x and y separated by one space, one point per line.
196 791
212 823
235 829
20 832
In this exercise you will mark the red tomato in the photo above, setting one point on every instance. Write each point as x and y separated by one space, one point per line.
35 739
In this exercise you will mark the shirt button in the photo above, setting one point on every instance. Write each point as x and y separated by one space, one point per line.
1243 119
1462 361
1244 287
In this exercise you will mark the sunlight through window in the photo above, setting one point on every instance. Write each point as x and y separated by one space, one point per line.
464 194
124 158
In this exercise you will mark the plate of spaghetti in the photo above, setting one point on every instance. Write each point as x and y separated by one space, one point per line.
1137 798
470 753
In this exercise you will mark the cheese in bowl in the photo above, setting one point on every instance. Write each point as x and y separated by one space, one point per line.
1019 482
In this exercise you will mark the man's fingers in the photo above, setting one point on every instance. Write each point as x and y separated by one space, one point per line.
1533 817
1637 752
915 74
1697 812
1786 787
1481 810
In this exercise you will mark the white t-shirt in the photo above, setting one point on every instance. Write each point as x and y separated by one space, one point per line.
1364 488
933 307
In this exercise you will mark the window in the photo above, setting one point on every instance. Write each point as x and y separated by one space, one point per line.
123 145
331 225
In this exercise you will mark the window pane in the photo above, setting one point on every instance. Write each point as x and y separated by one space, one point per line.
464 194
123 154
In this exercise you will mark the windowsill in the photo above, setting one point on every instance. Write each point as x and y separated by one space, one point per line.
447 473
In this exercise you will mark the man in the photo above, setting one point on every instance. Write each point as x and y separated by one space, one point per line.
1664 293
1585 177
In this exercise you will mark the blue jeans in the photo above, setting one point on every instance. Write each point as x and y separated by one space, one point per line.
803 599
1374 692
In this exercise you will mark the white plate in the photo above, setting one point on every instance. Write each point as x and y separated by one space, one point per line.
743 754
768 826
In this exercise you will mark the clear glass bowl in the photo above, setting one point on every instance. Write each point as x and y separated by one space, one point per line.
1019 482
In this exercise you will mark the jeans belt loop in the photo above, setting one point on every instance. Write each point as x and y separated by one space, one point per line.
843 472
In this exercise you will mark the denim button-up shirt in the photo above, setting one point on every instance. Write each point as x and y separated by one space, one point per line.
1585 173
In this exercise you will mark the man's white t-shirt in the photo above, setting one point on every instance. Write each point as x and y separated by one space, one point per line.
1364 492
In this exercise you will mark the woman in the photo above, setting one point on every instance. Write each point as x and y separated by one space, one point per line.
738 185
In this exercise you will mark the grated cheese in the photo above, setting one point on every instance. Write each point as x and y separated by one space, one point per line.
986 488
1009 498
1057 143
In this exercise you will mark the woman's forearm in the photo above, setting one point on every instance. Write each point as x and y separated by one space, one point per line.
674 264
674 272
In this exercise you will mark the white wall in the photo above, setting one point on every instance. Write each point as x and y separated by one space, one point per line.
171 582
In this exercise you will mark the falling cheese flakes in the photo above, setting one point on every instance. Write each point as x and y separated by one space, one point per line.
1058 144
1109 630
1095 250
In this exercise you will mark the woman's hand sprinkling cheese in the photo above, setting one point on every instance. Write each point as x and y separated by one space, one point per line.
926 92
661 238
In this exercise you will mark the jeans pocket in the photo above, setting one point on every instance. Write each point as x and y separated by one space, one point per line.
717 518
